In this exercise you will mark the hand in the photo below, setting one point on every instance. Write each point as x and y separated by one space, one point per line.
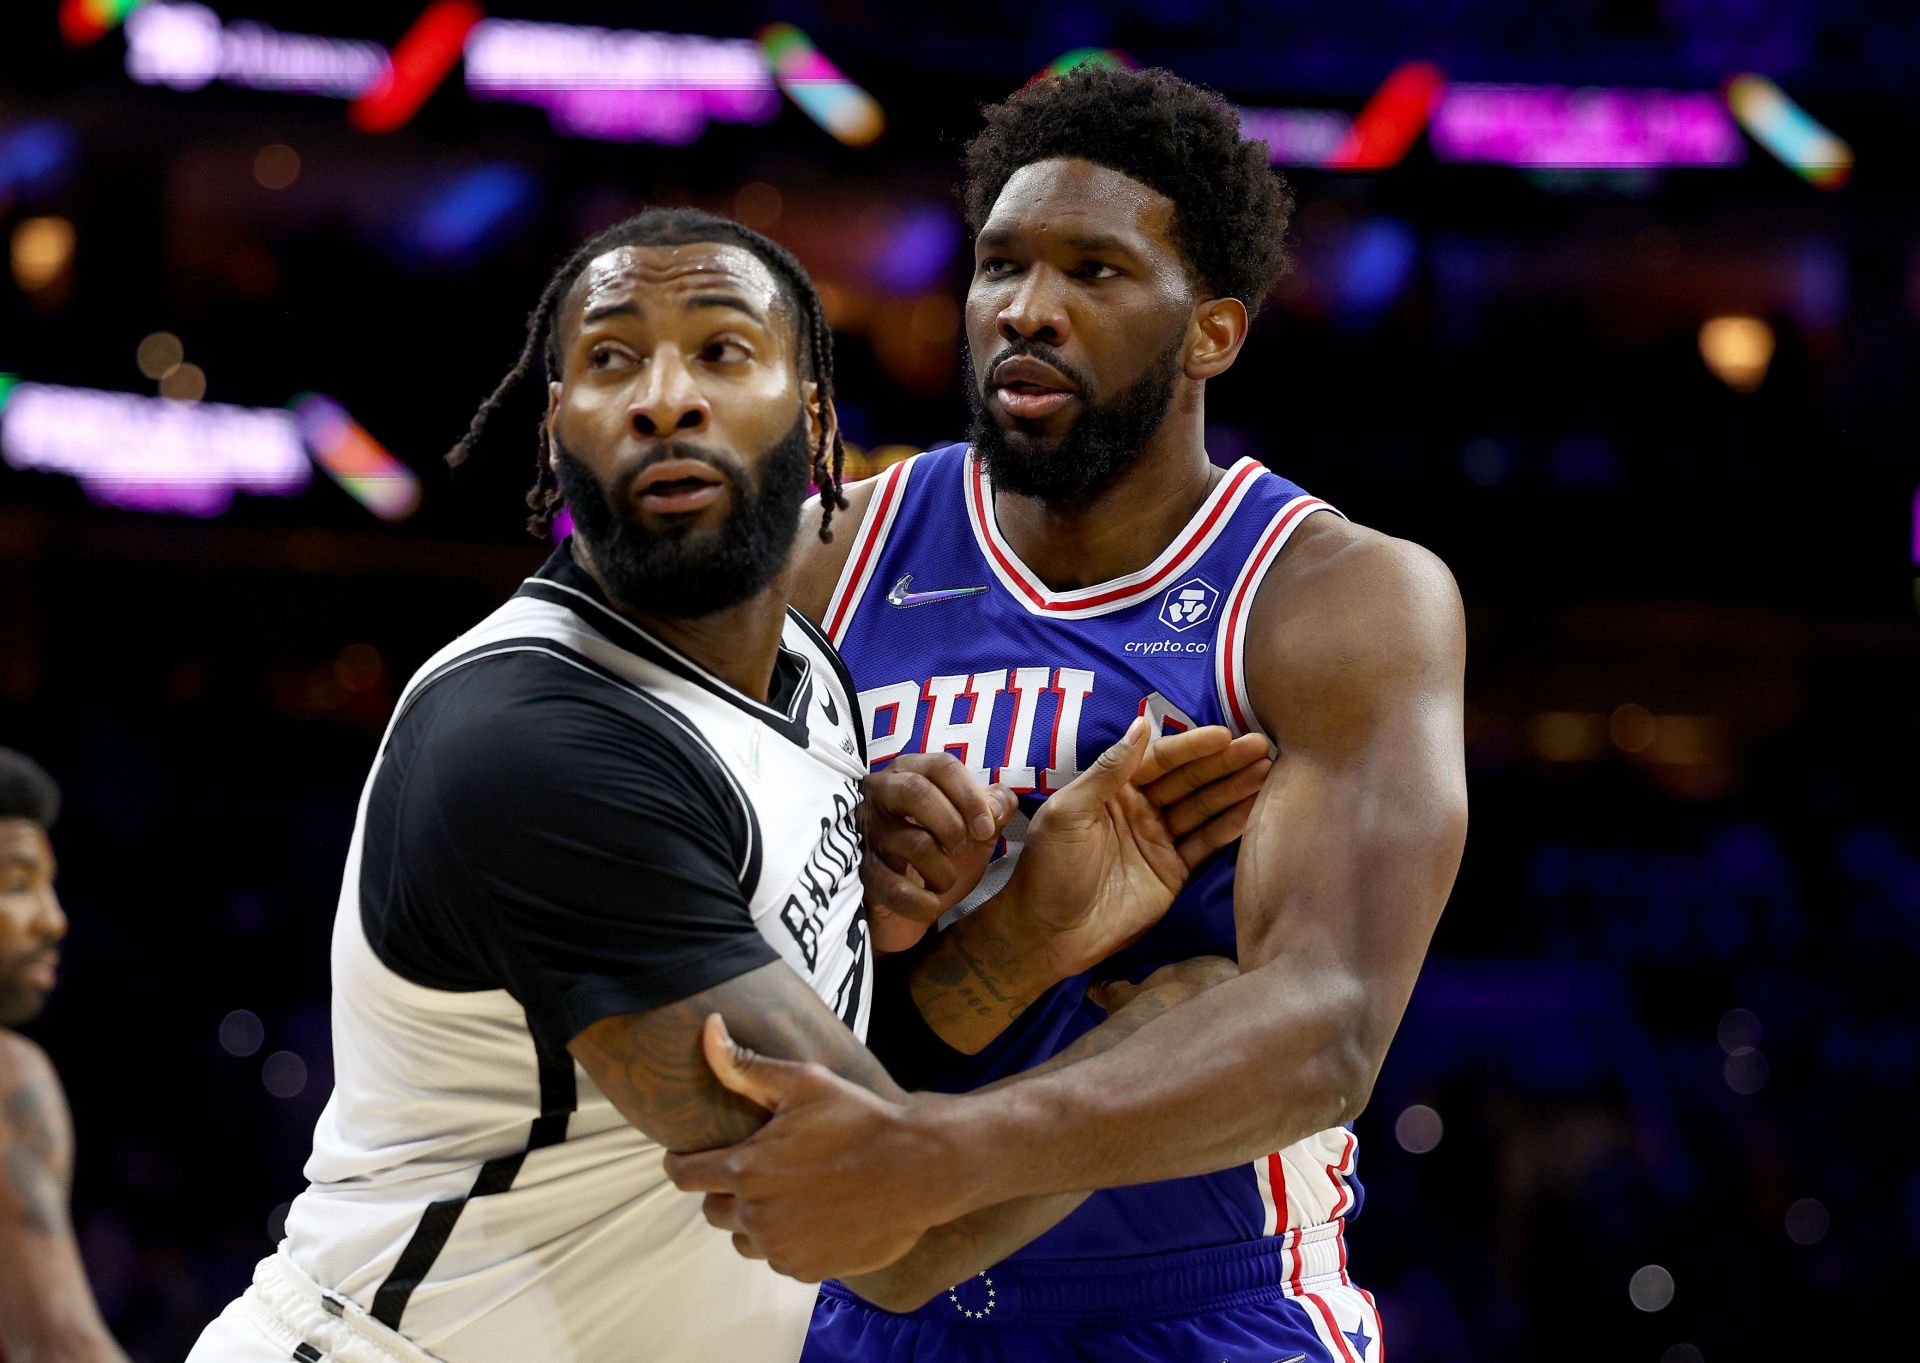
1102 862
929 828
1167 986
839 1181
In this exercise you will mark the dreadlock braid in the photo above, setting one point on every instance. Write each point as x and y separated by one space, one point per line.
663 227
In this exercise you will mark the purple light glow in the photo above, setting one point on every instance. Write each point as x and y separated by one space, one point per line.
621 84
187 47
153 454
1296 137
1589 127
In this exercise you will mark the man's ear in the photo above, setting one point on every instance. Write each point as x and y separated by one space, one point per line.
819 415
1219 330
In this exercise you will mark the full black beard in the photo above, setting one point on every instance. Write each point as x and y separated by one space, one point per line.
683 573
1103 442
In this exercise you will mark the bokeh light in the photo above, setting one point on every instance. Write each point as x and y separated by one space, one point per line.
284 1074
42 251
1808 1221
242 1033
1651 1288
1738 351
159 354
1747 1070
1418 1129
184 383
276 165
1739 1029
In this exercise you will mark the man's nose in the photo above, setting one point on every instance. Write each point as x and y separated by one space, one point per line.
1035 312
669 402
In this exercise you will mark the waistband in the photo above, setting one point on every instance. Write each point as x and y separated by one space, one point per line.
1073 1291
311 1323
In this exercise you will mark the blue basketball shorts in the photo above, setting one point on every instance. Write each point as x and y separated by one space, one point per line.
1282 1300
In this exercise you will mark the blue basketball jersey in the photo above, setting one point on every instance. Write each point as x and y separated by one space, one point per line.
956 645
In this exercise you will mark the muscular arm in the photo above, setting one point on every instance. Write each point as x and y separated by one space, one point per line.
817 566
1355 670
47 1311
651 1066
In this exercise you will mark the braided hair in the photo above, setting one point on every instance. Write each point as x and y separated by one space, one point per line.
663 227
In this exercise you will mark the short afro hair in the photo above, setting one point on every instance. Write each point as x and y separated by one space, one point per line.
1230 206
26 791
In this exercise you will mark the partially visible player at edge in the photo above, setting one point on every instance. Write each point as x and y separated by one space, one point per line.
1010 607
623 803
47 1311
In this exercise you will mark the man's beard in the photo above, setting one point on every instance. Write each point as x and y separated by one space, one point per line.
681 571
20 1002
1102 443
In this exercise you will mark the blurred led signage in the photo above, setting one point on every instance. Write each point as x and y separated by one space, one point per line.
819 88
621 84
153 454
1296 137
355 460
1789 132
1556 125
188 47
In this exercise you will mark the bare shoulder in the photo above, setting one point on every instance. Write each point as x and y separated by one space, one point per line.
817 564
1349 619
22 1062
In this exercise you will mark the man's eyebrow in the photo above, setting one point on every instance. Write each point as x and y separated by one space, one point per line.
999 239
606 310
726 300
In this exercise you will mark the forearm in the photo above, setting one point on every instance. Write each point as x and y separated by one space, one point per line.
1243 1069
50 1317
972 980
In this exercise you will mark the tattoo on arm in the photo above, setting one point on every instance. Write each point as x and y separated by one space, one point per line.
975 981
35 1167
651 1066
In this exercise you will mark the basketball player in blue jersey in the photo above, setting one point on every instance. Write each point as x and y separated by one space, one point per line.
1008 607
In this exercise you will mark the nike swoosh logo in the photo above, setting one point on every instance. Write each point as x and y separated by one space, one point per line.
901 597
1297 1358
833 714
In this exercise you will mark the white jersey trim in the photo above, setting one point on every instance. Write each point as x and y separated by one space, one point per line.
868 545
1230 643
1206 525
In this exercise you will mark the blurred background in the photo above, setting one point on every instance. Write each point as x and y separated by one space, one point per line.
1614 304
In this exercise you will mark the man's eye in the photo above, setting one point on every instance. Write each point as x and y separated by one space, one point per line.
1097 269
996 268
604 357
726 352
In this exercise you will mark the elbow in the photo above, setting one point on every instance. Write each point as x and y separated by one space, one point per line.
1335 1085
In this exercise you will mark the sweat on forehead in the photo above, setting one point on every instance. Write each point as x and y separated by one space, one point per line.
667 274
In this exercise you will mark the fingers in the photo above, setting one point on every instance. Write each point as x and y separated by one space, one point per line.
1183 816
1111 770
1203 766
1216 833
943 797
900 892
758 1078
892 933
1171 751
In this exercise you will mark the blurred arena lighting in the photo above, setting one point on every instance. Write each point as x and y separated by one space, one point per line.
419 62
35 157
1567 736
277 1222
1110 57
758 205
1392 120
1651 1288
1737 350
920 242
150 453
1589 126
42 251
1683 1353
1375 262
1789 132
1807 1222
276 166
184 383
823 93
621 84
86 21
187 47
354 459
159 353
1418 1129
1739 1029
1632 728
359 667
472 212
1747 1070
284 1074
1296 137
242 1033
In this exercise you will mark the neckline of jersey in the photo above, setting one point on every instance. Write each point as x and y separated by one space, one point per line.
1193 539
785 706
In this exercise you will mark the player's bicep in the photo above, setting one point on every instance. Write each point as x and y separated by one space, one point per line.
650 1064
